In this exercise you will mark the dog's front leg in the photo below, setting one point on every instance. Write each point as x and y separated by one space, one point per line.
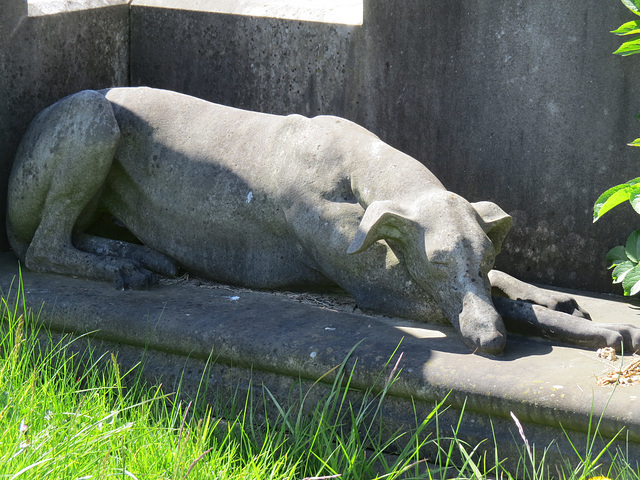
534 320
504 285
531 310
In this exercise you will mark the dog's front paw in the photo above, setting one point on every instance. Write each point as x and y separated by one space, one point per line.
630 336
531 319
560 302
505 285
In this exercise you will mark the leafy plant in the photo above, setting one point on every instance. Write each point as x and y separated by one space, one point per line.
625 260
632 46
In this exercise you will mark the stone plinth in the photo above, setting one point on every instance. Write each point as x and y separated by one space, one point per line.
279 341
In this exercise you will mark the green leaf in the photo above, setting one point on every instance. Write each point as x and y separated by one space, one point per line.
632 248
628 28
616 256
629 48
621 271
609 199
633 5
614 197
631 283
635 143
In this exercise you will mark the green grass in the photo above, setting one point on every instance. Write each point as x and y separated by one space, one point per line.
72 416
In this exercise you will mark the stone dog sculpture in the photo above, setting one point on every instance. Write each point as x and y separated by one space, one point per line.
268 201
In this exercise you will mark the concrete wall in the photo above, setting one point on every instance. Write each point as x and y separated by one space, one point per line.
518 102
46 57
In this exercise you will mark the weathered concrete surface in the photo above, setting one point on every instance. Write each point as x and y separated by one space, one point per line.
278 341
348 12
46 57
51 7
519 103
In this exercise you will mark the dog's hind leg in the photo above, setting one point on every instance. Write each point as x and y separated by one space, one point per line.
145 256
56 182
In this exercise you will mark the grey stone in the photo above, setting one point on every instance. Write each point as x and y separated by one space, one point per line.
500 92
329 11
44 58
518 103
237 342
12 14
261 201
51 7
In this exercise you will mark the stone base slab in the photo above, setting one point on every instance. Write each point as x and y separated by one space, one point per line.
287 341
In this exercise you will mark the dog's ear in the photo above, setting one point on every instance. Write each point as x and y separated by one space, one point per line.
382 220
495 222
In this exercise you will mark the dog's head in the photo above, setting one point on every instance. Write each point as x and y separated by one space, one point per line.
448 245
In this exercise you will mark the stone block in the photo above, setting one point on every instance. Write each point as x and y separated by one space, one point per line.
236 341
51 7
50 56
520 104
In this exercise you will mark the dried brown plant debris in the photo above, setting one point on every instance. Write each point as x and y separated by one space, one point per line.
621 375
607 353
